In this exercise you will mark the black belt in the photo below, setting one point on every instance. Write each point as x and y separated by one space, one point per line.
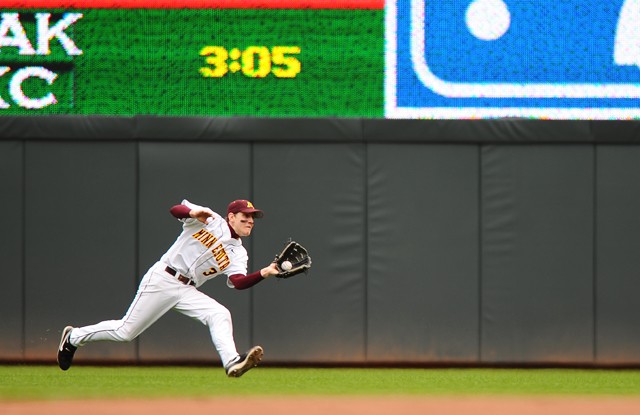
180 277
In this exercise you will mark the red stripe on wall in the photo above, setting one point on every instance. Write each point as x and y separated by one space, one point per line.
194 4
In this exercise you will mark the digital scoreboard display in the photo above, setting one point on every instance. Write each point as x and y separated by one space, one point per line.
560 59
233 58
451 59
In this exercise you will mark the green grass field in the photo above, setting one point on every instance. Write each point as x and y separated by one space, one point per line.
87 382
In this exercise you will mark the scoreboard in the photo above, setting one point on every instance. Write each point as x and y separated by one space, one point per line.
232 58
451 59
568 59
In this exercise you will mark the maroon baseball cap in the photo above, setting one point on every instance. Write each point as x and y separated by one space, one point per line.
244 206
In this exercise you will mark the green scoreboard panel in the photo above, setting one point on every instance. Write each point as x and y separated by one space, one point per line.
300 59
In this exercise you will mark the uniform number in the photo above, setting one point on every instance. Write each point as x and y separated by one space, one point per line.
211 271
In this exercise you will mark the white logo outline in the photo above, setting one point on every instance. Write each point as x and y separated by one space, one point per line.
489 90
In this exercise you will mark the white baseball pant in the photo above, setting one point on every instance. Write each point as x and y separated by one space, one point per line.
158 293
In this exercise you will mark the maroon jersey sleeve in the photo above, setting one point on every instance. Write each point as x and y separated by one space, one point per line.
180 211
242 282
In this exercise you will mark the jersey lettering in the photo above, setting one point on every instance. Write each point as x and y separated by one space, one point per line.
221 257
205 237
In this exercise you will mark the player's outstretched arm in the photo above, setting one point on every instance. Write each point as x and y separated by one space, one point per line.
197 212
271 269
201 213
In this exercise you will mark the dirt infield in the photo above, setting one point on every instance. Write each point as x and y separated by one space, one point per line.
333 406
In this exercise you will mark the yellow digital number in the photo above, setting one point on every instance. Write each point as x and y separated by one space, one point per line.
256 61
248 62
291 64
216 56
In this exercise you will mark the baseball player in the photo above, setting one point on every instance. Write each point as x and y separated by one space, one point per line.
208 246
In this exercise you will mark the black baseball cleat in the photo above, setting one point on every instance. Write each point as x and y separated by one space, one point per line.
66 350
241 364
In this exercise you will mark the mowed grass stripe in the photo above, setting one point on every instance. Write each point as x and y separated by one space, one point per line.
89 382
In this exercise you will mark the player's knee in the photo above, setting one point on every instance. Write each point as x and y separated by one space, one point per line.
126 334
127 337
223 314
219 316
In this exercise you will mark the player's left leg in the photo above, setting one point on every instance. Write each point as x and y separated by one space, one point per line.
217 318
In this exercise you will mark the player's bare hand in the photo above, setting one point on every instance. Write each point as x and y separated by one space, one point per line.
270 270
201 213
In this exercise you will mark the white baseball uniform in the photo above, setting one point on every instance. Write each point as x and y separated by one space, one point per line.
201 252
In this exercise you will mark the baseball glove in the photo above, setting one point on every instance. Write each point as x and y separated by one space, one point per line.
297 255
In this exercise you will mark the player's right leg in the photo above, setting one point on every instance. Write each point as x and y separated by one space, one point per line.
65 350
156 295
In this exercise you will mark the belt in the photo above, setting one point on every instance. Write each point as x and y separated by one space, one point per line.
180 277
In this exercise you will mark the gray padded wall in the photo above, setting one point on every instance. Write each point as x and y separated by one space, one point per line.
537 253
422 262
618 262
315 194
80 240
523 253
209 174
11 249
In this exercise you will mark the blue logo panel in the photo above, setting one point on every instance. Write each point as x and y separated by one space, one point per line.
569 59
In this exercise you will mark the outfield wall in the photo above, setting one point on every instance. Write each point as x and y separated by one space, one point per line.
433 242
